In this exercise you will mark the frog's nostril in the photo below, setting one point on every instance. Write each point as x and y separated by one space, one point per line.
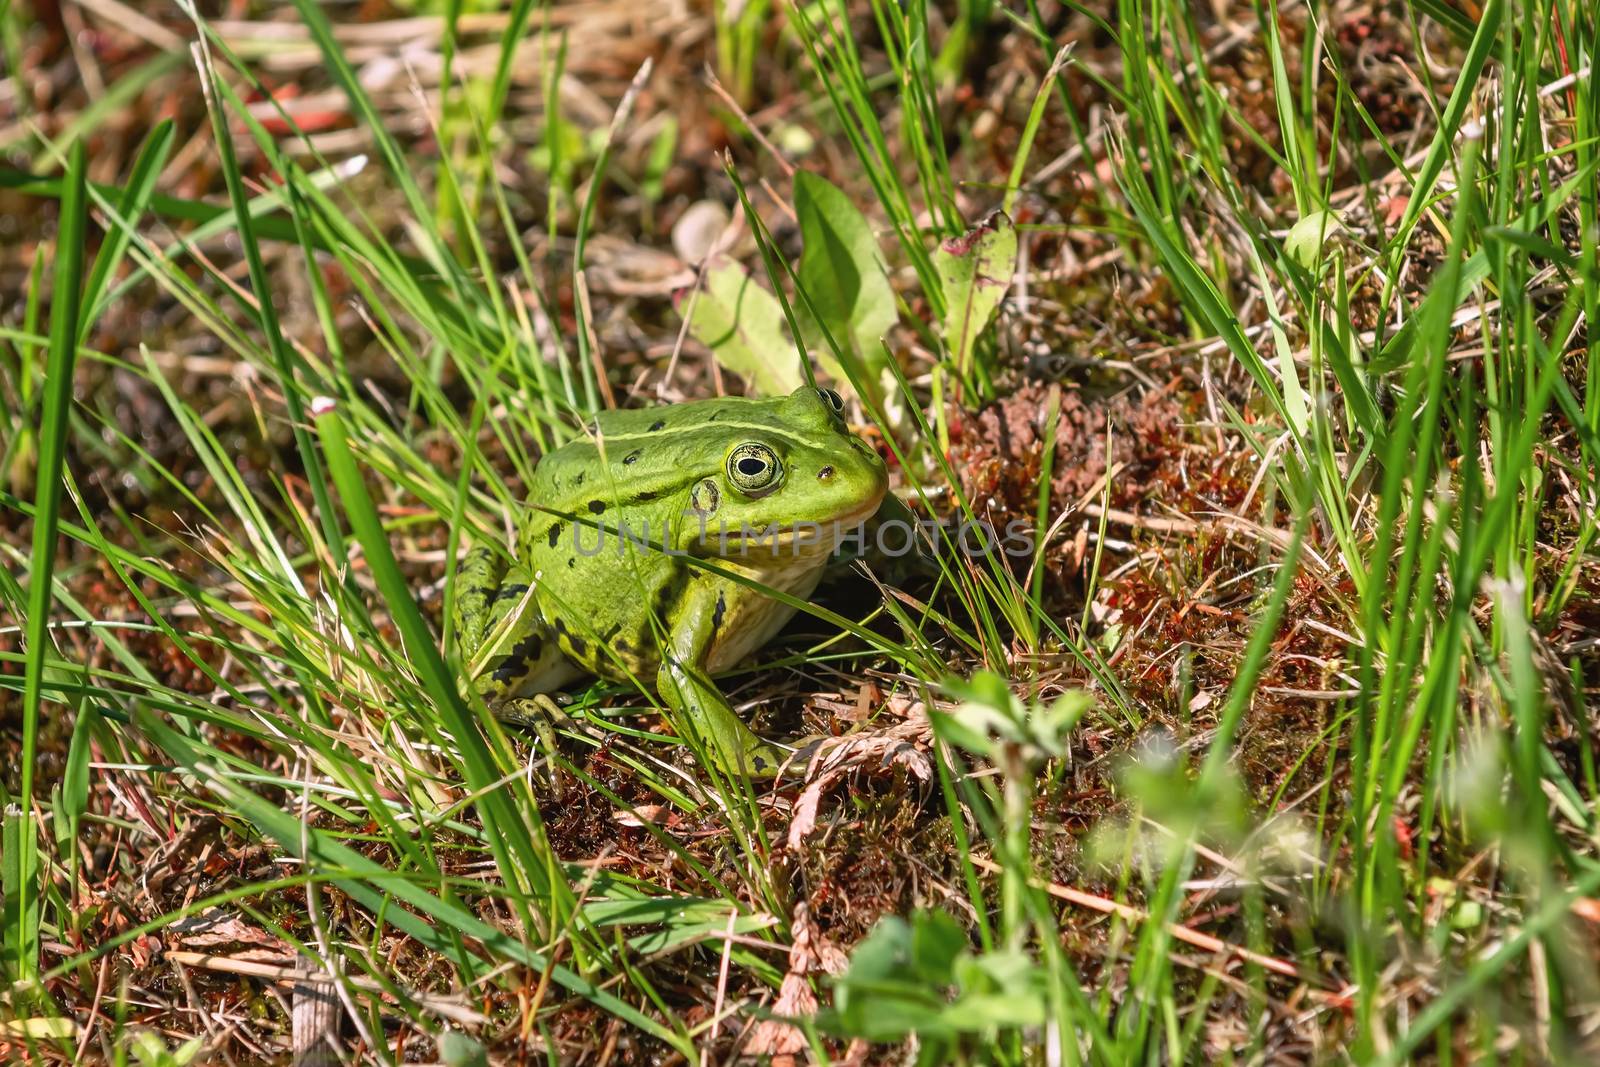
824 474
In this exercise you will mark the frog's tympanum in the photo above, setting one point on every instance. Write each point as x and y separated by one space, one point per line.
605 577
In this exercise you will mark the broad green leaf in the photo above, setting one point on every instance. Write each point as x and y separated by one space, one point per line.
975 271
843 273
901 977
461 1050
743 326
1307 237
892 989
74 790
989 709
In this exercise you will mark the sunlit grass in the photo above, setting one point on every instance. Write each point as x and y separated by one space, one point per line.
1409 470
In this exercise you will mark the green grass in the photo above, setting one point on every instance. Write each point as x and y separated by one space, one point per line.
1421 405
21 871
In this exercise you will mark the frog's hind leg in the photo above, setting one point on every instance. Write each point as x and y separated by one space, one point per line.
478 581
515 655
526 659
516 684
502 636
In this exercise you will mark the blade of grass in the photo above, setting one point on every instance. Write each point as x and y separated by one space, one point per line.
587 363
265 309
510 814
131 207
372 885
65 303
1455 113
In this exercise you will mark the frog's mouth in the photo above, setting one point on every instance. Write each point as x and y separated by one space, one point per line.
799 539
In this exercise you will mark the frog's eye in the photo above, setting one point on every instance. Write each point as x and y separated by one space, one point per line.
754 468
833 400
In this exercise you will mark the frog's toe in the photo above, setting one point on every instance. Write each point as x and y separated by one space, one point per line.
805 753
766 760
535 713
540 716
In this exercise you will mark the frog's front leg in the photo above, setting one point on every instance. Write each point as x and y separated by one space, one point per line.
687 688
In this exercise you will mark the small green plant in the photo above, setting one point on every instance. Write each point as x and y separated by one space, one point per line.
919 976
847 311
923 976
739 27
146 1048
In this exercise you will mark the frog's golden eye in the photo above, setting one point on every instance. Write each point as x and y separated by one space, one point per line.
754 468
833 400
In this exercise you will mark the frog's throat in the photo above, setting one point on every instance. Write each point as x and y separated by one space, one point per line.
800 539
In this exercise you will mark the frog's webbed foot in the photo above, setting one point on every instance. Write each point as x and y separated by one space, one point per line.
804 752
542 717
762 759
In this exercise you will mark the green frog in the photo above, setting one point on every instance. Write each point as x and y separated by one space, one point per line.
605 576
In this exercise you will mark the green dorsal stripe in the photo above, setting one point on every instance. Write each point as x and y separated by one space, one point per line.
770 429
